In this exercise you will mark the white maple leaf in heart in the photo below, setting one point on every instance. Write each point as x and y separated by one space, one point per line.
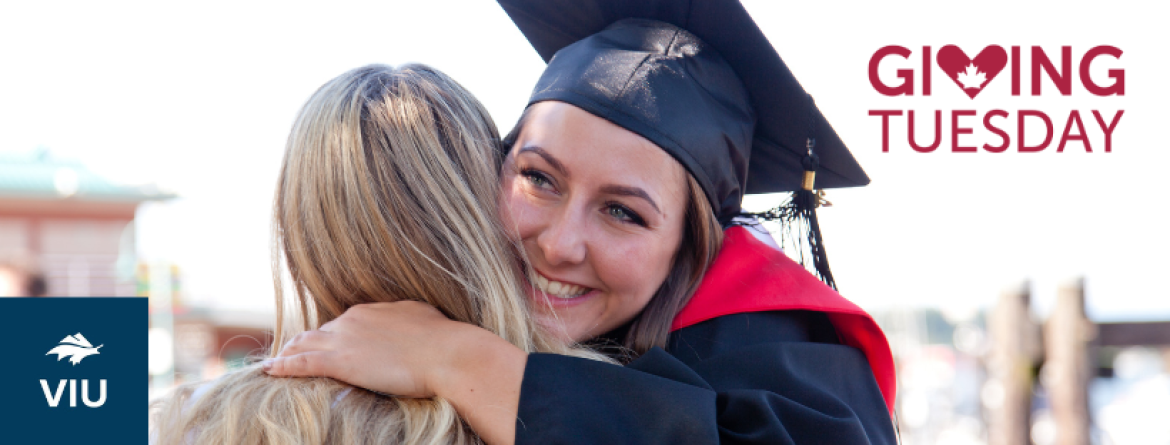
77 348
972 78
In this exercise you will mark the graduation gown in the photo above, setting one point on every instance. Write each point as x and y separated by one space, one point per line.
763 353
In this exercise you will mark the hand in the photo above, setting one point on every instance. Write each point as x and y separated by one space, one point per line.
410 349
399 348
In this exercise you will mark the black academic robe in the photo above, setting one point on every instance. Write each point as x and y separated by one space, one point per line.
751 376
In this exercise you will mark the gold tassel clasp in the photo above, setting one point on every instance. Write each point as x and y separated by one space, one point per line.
810 178
821 201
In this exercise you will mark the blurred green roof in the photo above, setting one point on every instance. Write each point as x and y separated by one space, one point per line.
37 175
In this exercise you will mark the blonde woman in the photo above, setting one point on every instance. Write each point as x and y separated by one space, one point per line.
386 194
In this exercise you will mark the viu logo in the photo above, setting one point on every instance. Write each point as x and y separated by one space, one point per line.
76 347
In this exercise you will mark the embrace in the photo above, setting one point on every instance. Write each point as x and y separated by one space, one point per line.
587 278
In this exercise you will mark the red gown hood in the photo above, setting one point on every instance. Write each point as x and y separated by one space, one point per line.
750 276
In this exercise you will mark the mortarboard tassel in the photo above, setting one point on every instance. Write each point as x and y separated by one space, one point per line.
798 219
806 202
798 216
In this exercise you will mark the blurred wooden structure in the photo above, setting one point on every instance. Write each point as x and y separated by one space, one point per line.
1064 351
1068 337
1015 351
1156 333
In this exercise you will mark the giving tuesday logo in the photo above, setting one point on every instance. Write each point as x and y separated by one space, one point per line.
80 362
76 347
1040 83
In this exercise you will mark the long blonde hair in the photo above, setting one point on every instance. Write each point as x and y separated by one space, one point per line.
387 192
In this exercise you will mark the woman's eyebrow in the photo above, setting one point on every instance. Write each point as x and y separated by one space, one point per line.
630 191
612 189
547 158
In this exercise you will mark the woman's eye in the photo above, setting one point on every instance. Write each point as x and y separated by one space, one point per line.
537 178
624 214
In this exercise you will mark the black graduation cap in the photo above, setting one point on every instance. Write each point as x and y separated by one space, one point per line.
699 79
696 77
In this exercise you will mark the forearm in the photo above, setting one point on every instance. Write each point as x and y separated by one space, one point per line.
483 383
410 349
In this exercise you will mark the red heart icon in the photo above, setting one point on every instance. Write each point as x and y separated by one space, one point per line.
972 75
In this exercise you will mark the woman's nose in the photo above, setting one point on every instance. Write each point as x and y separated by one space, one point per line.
562 241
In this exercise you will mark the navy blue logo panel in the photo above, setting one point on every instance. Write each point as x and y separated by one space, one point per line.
73 370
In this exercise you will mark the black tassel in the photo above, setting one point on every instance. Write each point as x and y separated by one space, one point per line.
800 230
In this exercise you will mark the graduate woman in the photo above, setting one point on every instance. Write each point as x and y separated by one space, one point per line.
649 125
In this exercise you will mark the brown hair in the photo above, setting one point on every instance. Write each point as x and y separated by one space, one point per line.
702 239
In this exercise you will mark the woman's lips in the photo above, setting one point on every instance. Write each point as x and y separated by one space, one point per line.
558 293
557 289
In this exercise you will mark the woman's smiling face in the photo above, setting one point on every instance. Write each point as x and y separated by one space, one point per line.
599 211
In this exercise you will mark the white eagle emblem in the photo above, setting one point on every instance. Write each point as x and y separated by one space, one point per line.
77 348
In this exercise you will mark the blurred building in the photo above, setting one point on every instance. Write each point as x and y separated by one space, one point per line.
193 343
65 230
